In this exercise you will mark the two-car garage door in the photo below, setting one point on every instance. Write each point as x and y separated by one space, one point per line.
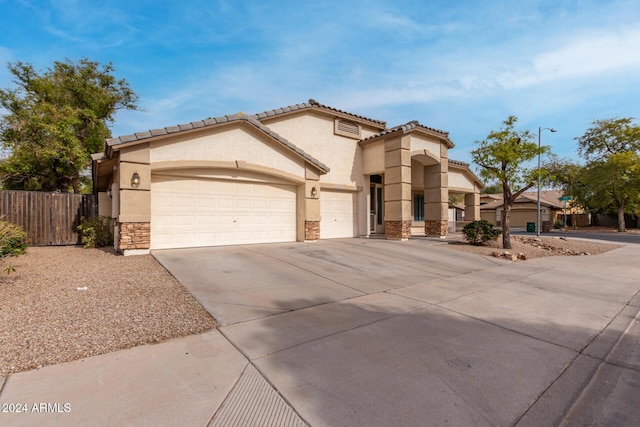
192 212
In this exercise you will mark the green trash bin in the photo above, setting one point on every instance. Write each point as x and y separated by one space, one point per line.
531 227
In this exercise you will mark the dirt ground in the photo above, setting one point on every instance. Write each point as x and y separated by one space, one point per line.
528 247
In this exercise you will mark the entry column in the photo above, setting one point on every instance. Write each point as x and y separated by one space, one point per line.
397 188
309 207
472 207
436 198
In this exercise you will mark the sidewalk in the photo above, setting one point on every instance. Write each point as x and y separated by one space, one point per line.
180 382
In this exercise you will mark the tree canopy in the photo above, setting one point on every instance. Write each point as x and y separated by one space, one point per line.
500 157
610 181
55 119
609 136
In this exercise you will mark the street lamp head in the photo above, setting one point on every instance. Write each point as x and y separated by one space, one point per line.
553 130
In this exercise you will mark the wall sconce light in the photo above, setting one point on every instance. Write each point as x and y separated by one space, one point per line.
110 193
313 191
135 180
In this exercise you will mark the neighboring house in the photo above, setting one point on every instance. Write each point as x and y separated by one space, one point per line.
299 173
524 209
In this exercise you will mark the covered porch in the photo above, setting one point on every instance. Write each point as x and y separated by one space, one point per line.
410 180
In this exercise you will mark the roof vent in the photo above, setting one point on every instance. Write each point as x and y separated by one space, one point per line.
347 128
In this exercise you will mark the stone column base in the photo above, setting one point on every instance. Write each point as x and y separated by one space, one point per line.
311 231
397 230
134 235
436 227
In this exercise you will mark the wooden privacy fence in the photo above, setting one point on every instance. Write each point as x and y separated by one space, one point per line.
48 218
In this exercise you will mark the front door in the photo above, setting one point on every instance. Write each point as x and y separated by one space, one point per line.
376 221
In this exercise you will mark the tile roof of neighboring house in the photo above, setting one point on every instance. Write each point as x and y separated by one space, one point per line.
140 136
311 104
550 199
414 124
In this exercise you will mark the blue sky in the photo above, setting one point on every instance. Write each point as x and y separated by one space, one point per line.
459 66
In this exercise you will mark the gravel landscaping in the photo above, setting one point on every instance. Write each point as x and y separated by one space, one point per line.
66 303
525 247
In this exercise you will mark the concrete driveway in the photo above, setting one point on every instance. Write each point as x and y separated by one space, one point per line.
374 332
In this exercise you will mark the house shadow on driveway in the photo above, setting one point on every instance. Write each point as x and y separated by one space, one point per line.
359 332
383 359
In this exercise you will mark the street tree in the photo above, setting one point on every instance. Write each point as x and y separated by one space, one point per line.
610 177
53 120
614 184
609 136
573 179
492 188
500 157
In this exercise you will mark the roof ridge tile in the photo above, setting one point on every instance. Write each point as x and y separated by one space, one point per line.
313 103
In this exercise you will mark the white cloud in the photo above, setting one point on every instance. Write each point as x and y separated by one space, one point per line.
592 55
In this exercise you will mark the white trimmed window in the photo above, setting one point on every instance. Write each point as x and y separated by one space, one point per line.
347 128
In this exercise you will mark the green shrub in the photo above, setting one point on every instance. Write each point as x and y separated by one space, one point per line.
479 232
97 232
12 239
558 224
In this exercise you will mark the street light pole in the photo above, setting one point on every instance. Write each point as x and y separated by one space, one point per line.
538 210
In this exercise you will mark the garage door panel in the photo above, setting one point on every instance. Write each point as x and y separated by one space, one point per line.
338 214
197 212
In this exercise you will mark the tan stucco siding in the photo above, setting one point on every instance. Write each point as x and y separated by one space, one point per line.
421 143
366 131
458 180
230 145
104 204
315 135
373 158
417 175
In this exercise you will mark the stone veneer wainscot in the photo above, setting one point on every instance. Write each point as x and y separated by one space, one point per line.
135 235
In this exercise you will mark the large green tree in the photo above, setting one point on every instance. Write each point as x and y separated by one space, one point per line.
53 120
609 136
500 157
615 182
611 177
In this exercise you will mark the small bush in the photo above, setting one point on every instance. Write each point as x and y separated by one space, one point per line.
12 239
558 224
480 232
97 232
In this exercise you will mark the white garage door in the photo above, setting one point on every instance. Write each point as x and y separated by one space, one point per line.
190 212
338 214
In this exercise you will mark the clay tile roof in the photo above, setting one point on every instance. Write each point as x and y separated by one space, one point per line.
315 104
140 136
528 197
414 124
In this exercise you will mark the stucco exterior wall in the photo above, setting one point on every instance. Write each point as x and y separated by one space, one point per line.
104 204
373 157
228 145
417 175
314 134
421 142
460 181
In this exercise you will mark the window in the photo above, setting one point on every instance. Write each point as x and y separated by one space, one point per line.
418 207
347 128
